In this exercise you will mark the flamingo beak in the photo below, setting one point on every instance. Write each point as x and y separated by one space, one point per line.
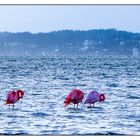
66 103
5 101
20 95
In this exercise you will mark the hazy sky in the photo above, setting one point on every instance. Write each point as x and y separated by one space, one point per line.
47 18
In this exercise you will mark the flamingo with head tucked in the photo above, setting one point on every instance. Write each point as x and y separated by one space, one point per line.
75 96
94 97
13 97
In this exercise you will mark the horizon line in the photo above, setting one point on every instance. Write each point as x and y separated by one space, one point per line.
69 30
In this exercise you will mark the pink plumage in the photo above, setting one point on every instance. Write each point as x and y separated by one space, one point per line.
94 97
14 96
75 96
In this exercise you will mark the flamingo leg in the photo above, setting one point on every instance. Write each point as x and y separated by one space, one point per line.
74 106
89 105
77 106
13 105
93 104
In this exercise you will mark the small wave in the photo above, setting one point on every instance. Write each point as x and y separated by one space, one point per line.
131 86
73 110
102 134
61 78
137 120
12 116
95 107
35 94
109 133
40 114
18 133
49 132
133 97
113 85
73 116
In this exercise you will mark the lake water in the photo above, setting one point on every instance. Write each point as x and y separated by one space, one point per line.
47 80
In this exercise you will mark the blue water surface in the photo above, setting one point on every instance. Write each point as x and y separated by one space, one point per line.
47 80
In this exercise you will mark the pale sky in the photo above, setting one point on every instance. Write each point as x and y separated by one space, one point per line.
46 18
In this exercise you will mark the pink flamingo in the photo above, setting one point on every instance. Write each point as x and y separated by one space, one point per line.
75 96
94 97
13 97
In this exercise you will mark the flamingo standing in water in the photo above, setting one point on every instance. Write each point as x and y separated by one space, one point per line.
13 97
94 97
75 96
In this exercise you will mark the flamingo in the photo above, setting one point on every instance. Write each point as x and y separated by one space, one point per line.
75 96
13 97
94 97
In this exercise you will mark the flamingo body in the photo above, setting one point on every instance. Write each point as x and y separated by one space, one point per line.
94 97
14 96
75 96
